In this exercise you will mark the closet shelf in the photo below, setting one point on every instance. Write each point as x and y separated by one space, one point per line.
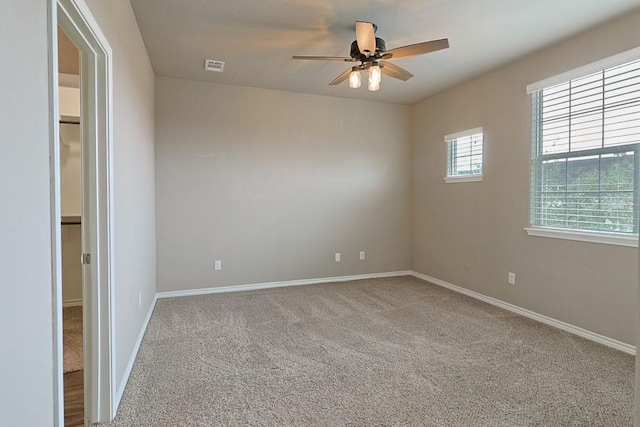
71 219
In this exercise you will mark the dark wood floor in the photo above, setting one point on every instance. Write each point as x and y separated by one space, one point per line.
74 399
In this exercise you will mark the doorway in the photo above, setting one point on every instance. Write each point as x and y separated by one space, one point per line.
71 233
94 224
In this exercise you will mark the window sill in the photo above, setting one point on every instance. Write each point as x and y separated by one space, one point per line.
585 236
468 178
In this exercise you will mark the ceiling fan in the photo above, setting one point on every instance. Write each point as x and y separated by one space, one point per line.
372 53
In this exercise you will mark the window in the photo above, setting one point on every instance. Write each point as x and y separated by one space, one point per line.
464 156
585 152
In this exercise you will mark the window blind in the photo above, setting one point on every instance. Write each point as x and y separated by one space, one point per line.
464 153
586 134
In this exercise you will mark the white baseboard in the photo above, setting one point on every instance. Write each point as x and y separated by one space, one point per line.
145 324
134 354
601 339
72 303
269 285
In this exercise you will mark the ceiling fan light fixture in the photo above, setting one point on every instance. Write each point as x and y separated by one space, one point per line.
372 53
355 79
375 76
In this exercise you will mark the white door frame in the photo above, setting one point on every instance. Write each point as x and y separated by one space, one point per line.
75 18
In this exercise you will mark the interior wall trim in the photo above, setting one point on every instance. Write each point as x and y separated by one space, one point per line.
601 339
134 354
269 285
96 107
576 330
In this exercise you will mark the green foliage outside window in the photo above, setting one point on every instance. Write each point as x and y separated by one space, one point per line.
589 193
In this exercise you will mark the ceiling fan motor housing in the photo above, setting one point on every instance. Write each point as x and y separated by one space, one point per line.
355 50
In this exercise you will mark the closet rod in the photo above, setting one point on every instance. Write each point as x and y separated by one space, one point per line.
71 223
69 122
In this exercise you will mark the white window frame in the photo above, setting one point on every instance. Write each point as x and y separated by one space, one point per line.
619 239
454 136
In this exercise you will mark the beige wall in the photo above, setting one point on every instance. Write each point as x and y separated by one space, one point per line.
133 174
70 153
70 171
472 234
70 174
26 352
274 183
71 210
70 240
69 102
68 59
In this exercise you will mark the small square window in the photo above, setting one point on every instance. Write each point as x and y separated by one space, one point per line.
464 155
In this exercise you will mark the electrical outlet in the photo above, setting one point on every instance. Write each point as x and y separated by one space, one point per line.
361 255
512 278
218 265
337 256
139 299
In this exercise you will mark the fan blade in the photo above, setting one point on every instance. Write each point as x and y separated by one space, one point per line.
342 77
394 71
366 38
416 49
325 58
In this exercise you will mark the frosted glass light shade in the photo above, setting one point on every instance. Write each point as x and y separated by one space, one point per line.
355 80
375 76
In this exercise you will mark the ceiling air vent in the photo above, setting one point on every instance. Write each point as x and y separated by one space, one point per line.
213 65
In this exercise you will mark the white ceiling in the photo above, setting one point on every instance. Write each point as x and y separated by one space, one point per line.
256 38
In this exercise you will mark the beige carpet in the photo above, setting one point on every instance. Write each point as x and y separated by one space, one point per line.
393 351
72 336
